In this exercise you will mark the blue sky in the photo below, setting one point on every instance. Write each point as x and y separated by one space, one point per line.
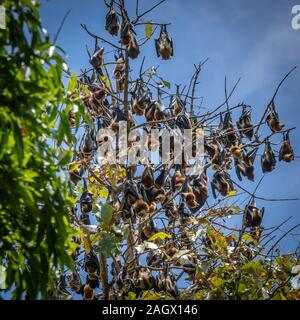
250 39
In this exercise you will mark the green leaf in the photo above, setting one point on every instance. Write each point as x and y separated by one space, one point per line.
72 82
148 30
105 215
131 296
167 84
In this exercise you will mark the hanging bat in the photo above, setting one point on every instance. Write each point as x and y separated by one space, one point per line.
216 153
252 215
226 125
75 282
177 105
184 213
177 179
86 200
147 177
172 212
131 192
75 175
286 152
140 99
97 58
119 69
141 207
125 33
112 22
245 165
133 48
144 280
200 189
91 265
154 259
268 160
164 44
222 183
188 194
273 119
88 292
87 143
166 282
148 231
244 124
183 121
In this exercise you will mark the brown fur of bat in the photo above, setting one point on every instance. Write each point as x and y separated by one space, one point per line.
164 45
178 179
75 282
97 58
141 207
133 47
138 108
159 115
148 231
286 152
167 283
114 126
273 120
236 151
171 249
88 292
222 186
144 279
148 178
275 125
152 207
177 106
125 34
214 156
201 195
112 24
190 198
159 194
120 83
149 112
119 69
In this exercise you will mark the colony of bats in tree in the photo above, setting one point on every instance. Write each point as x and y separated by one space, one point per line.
227 146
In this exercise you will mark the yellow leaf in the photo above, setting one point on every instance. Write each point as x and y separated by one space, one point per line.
160 235
74 166
105 81
103 193
122 173
230 194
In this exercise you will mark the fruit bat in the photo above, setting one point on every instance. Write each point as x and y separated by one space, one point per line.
112 22
222 183
268 160
273 119
244 124
86 200
286 152
164 44
252 215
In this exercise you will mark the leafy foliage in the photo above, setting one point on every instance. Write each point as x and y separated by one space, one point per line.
34 194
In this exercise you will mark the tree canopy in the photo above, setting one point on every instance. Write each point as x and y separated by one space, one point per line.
74 223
